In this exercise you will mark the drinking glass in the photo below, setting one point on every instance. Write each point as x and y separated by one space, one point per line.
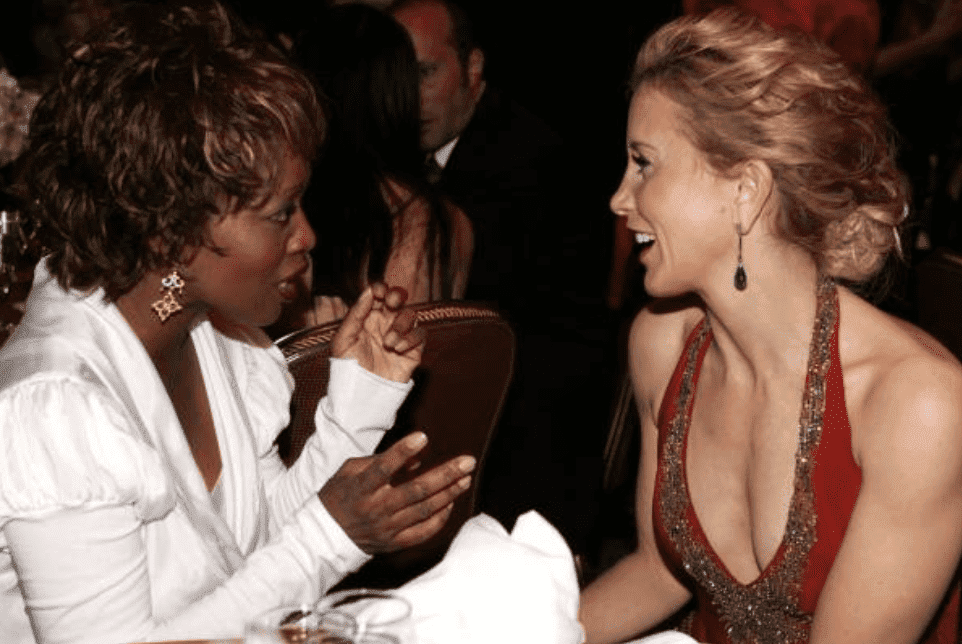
382 617
301 625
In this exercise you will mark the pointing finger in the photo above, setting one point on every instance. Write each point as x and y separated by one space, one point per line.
352 324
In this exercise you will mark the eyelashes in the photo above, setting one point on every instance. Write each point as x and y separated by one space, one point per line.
641 161
286 213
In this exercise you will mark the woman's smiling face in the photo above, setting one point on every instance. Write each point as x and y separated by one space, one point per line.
679 208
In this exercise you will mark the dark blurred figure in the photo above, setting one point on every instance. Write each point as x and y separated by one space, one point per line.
48 36
537 256
383 220
850 27
493 157
918 73
16 53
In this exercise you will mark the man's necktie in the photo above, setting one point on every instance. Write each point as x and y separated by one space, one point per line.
432 169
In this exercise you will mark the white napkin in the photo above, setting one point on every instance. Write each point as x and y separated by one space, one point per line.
495 587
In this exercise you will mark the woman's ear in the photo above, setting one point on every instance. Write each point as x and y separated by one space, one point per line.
754 192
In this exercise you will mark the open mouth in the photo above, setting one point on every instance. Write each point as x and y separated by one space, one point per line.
289 288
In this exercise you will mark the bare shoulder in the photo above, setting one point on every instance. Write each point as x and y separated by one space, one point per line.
656 341
397 195
462 232
460 219
903 390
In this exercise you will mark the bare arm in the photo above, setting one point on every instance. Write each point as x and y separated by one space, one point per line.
407 264
903 541
462 251
640 591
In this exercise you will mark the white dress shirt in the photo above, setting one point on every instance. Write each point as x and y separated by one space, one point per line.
443 154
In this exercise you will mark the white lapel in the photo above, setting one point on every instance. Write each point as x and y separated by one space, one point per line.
110 348
240 477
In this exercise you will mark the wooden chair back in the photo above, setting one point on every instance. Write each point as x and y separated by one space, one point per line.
459 391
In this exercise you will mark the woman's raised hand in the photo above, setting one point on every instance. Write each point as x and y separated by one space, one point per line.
381 517
381 334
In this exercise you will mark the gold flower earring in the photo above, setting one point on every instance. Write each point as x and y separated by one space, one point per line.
172 286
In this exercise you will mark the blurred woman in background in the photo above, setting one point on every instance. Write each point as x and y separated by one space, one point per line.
382 219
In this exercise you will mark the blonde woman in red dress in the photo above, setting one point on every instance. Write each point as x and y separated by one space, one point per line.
801 466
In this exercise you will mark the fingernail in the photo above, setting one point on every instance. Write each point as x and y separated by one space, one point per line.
464 483
466 464
418 439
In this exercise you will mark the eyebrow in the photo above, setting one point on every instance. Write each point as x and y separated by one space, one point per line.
296 189
637 146
281 199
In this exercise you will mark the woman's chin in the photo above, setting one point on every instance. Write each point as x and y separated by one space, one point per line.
654 286
256 319
660 288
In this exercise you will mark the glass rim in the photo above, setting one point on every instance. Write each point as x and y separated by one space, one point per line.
341 600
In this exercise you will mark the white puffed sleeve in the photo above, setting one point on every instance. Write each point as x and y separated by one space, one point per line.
85 578
66 444
69 458
79 492
350 421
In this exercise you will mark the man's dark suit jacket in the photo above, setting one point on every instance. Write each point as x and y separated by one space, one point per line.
534 259
504 173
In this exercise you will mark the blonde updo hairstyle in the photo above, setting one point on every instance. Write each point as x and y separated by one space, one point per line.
747 91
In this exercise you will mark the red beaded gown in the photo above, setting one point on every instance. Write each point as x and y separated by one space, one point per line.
777 607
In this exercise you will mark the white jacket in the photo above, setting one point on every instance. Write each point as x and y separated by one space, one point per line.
108 530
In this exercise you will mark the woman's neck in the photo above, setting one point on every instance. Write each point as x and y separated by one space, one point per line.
167 343
765 331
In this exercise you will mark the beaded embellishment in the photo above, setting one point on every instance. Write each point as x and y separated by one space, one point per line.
768 609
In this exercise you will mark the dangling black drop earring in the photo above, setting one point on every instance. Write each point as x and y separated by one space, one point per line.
741 279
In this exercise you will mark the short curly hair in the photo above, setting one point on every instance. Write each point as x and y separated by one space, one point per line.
166 118
747 91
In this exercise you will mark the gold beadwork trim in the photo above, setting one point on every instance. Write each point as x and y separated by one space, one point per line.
768 609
